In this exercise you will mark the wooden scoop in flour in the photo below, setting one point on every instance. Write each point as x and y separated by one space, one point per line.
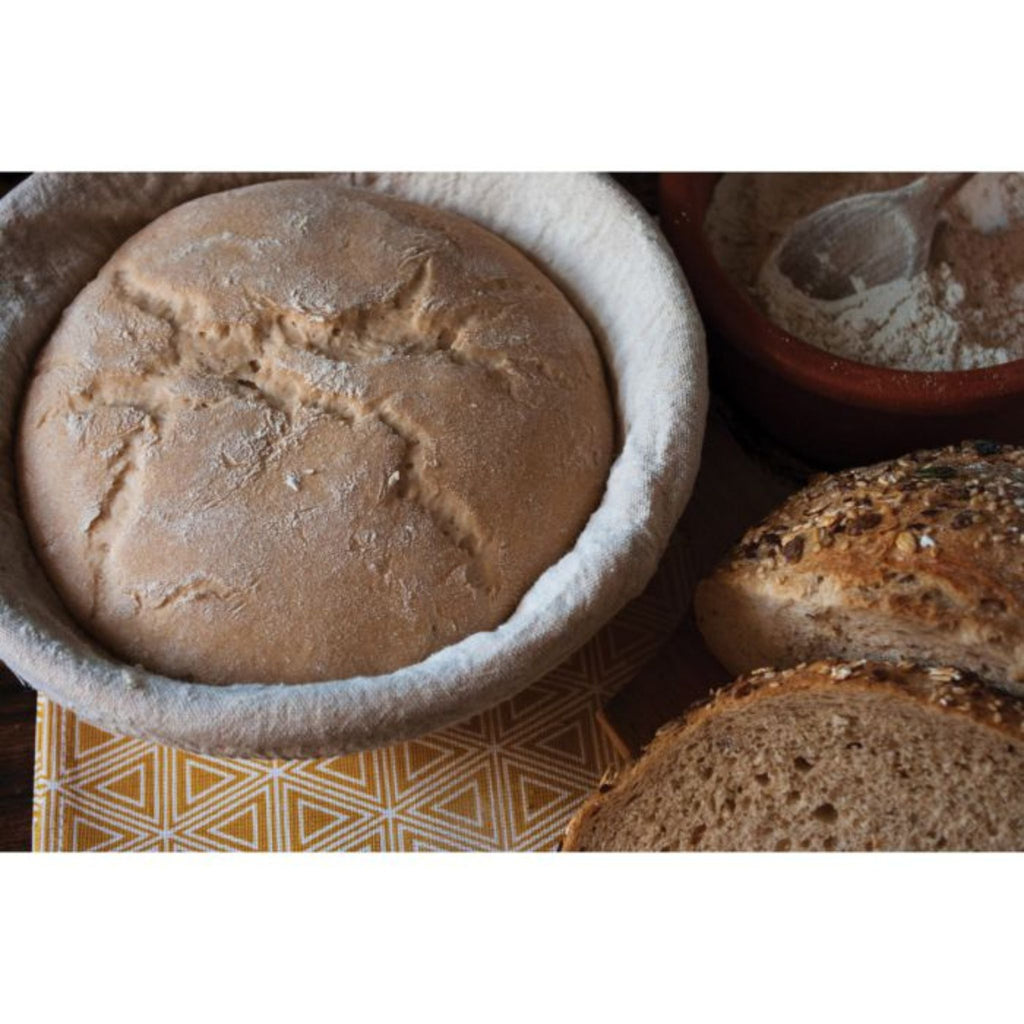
865 240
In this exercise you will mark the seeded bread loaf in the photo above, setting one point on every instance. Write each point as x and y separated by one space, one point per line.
298 431
826 756
921 557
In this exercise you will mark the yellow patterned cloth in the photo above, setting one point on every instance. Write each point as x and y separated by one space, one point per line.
508 779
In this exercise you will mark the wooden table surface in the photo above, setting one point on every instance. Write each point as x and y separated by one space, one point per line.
17 727
17 735
17 704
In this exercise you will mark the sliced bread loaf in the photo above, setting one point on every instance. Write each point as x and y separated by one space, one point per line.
921 557
826 756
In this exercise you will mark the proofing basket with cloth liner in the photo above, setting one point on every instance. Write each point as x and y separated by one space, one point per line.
591 238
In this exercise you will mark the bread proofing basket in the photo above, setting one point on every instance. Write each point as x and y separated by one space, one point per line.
56 231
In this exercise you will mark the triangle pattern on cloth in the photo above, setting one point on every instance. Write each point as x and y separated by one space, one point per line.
535 799
509 777
415 840
88 738
423 761
132 786
201 781
313 821
570 741
530 707
85 833
239 827
476 727
468 803
351 773
575 667
374 841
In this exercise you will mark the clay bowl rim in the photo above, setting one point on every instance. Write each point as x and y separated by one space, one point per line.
685 197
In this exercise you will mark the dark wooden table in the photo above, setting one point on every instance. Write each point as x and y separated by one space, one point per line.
17 735
18 704
17 728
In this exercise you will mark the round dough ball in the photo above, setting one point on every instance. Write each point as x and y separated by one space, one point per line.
299 431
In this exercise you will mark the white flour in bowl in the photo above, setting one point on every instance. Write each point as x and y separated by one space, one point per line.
964 311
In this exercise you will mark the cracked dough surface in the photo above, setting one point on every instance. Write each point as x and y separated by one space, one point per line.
297 431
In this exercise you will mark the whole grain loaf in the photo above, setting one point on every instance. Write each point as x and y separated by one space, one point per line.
921 557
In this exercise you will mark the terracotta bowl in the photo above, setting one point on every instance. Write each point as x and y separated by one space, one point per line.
828 410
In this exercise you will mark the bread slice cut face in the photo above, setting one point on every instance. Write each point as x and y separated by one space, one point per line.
826 756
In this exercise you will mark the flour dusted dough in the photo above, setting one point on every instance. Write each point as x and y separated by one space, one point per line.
297 431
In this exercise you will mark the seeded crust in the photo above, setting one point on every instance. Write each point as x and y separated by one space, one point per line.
298 431
921 557
829 755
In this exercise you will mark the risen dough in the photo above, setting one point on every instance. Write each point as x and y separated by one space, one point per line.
298 431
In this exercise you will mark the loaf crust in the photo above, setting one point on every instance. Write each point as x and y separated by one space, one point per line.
920 557
949 693
298 431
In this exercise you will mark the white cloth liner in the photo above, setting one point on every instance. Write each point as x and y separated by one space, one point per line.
56 231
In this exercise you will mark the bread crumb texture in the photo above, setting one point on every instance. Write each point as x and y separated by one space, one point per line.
825 756
920 557
298 431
